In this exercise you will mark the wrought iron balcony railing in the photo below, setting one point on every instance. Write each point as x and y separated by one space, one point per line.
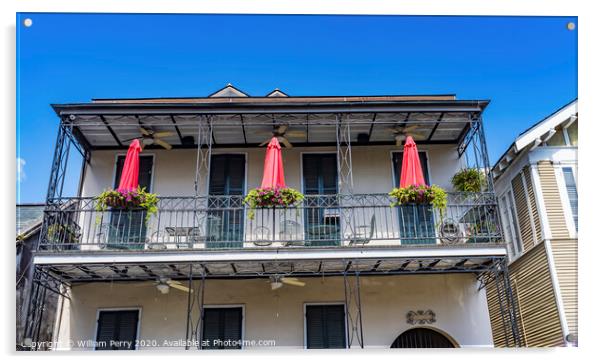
223 222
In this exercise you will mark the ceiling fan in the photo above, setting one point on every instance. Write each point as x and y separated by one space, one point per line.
164 284
280 131
400 133
149 137
277 281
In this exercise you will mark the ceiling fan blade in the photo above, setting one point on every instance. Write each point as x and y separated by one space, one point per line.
293 282
398 142
296 134
265 143
281 129
162 143
145 132
178 286
285 141
409 128
163 134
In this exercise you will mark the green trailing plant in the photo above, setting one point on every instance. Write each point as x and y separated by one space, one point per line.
128 200
271 197
469 180
62 233
420 194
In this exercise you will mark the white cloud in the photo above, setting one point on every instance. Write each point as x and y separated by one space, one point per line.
21 176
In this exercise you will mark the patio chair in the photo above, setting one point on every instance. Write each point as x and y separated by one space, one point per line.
362 239
290 233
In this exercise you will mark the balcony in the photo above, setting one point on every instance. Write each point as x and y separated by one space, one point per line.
223 222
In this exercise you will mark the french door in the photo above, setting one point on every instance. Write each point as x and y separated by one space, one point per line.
225 220
127 229
321 214
416 222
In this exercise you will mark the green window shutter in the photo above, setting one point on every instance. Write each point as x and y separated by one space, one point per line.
325 326
117 326
221 325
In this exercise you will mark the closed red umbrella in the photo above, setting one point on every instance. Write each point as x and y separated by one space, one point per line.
273 172
411 170
131 167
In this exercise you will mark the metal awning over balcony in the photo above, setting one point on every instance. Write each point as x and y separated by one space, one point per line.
241 122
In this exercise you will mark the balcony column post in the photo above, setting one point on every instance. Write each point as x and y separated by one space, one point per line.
203 168
345 176
59 164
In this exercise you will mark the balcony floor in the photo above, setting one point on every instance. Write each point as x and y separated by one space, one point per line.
130 265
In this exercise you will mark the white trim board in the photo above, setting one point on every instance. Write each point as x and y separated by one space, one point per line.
255 255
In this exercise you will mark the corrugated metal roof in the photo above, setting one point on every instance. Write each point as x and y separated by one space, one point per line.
28 215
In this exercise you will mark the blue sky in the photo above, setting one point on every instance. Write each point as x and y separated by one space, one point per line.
527 66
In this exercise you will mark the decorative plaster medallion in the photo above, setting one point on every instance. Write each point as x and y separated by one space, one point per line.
420 317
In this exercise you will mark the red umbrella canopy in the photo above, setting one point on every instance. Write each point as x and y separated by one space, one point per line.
273 172
411 170
131 167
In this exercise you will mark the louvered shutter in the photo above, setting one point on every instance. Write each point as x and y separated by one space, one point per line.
571 189
325 326
222 324
117 327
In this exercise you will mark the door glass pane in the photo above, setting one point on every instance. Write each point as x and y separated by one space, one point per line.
416 222
321 211
127 229
225 215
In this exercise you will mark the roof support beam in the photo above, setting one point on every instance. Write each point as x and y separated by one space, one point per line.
173 120
111 130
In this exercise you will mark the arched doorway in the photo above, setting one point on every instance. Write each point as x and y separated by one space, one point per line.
422 338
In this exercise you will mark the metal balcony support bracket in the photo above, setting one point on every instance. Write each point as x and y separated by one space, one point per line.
345 175
59 164
42 285
498 278
196 303
353 310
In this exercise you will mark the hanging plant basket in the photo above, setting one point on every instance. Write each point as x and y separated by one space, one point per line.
259 198
137 199
420 195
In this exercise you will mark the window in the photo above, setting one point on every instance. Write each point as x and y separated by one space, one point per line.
325 326
117 330
222 328
571 189
510 225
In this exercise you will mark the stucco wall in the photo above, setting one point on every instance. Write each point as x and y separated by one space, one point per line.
173 173
461 310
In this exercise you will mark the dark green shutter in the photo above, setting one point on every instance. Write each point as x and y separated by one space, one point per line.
416 222
320 177
222 324
117 326
226 223
325 326
127 229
